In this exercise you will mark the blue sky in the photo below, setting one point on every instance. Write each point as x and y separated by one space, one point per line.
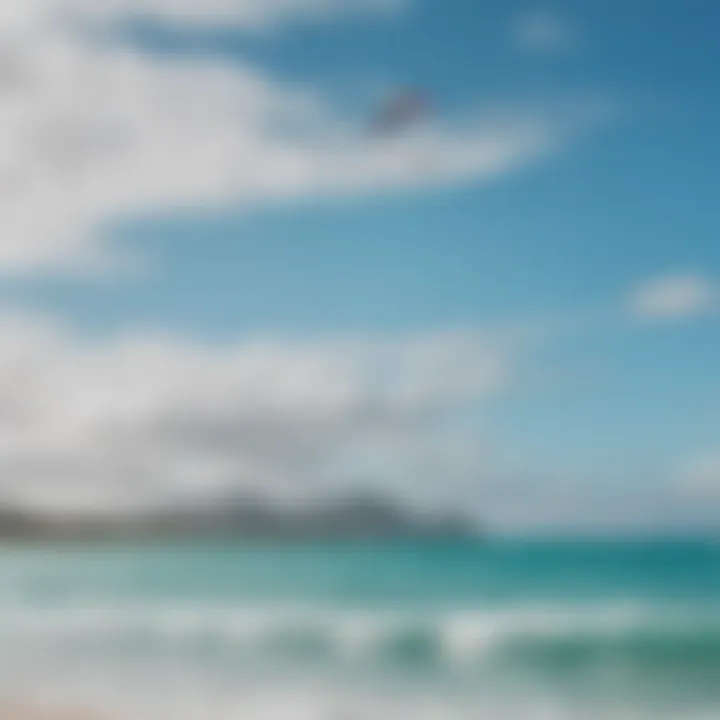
606 391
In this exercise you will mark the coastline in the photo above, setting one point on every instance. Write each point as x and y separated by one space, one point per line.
33 711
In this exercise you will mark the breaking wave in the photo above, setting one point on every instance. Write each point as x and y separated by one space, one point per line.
555 639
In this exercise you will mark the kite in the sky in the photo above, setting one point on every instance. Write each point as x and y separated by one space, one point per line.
401 109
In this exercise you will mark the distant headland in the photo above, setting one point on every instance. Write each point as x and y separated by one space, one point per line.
252 519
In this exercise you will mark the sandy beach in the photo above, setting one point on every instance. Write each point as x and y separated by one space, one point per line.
29 711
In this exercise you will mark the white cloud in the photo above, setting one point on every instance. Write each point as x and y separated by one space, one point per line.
138 419
91 132
544 32
249 14
673 296
700 478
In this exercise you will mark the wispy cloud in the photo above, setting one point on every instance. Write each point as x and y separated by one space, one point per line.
250 14
673 297
91 131
699 478
543 31
241 14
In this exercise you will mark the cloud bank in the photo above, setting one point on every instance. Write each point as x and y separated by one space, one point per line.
92 131
139 420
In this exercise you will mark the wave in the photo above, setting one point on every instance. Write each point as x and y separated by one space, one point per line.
555 639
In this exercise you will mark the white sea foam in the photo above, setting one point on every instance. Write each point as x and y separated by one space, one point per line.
459 634
73 656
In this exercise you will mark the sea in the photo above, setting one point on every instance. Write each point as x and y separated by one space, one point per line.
493 630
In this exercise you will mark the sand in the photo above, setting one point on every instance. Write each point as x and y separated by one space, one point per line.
30 712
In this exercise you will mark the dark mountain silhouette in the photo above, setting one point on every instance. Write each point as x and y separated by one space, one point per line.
252 518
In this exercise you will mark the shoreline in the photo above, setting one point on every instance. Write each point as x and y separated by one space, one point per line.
31 711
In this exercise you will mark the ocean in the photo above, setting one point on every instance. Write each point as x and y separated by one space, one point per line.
499 630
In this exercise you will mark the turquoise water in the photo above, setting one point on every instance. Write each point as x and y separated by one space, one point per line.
517 630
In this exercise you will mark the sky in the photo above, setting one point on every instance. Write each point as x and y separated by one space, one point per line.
214 278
